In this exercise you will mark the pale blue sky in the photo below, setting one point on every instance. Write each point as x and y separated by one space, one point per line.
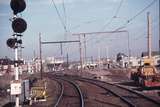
82 16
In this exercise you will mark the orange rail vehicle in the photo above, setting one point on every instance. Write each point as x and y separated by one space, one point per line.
146 75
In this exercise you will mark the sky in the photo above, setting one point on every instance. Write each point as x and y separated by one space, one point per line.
81 16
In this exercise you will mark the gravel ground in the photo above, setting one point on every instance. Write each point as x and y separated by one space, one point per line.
98 97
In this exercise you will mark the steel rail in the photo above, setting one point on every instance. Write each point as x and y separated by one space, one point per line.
130 90
127 89
121 97
77 88
140 94
61 91
61 94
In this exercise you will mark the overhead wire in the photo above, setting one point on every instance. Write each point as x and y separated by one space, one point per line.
140 37
118 9
145 33
60 18
128 21
134 17
63 21
66 24
110 21
83 23
131 19
64 11
114 16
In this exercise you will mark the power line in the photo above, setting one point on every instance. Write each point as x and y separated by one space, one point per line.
132 18
83 23
60 18
110 21
140 12
114 16
65 15
63 22
118 9
145 33
128 21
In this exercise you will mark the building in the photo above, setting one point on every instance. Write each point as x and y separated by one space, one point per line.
6 66
54 64
155 56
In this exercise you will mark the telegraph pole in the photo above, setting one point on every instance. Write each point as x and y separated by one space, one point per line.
85 50
107 52
67 61
61 49
149 35
80 51
34 54
129 50
99 59
40 51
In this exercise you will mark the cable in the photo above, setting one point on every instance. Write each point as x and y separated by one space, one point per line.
110 21
128 21
141 11
114 16
118 9
63 22
134 17
83 23
60 18
131 19
65 15
145 33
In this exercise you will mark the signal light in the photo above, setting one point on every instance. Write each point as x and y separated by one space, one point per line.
19 25
17 6
11 42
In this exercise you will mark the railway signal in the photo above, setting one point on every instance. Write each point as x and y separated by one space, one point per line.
11 42
19 25
17 6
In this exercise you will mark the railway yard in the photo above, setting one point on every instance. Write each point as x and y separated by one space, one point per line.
80 53
85 89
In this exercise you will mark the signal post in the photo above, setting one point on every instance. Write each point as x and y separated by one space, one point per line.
19 25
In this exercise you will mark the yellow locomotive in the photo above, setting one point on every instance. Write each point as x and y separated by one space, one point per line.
146 75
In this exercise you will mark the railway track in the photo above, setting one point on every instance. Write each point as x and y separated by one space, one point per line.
98 96
59 97
130 97
82 88
70 94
